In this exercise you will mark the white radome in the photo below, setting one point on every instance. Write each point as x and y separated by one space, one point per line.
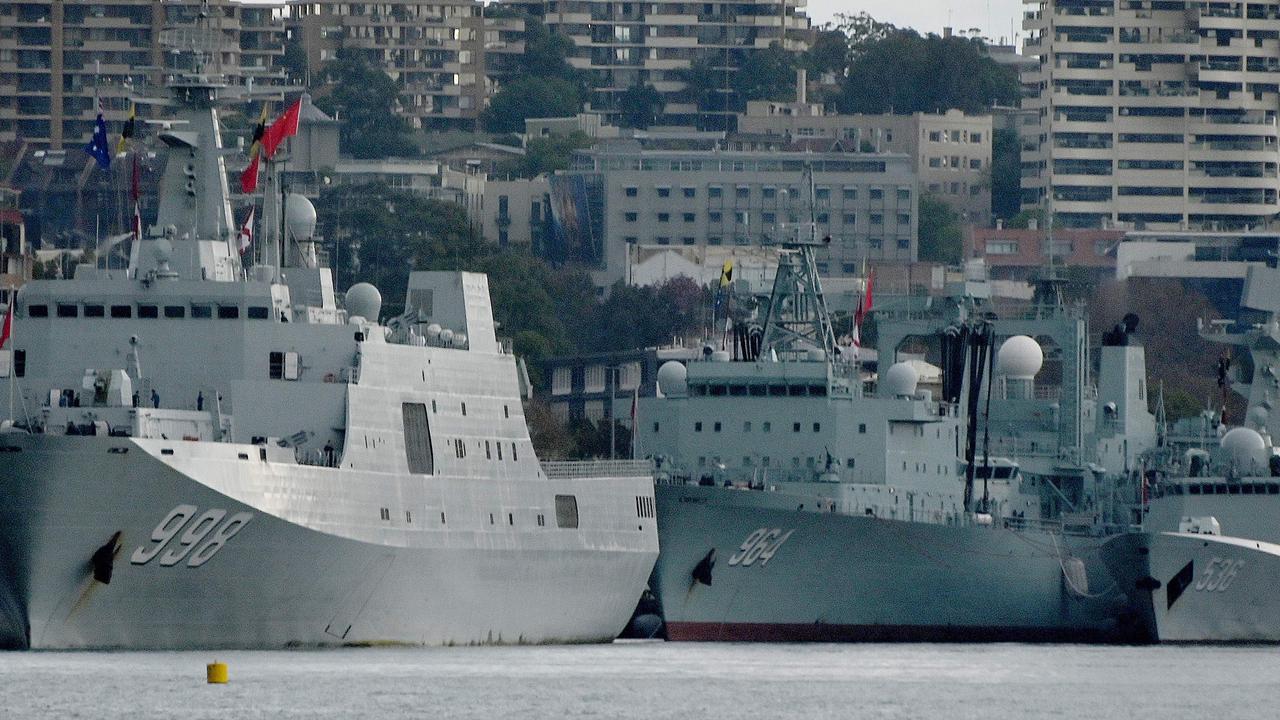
300 216
1019 357
673 378
900 379
364 300
1244 446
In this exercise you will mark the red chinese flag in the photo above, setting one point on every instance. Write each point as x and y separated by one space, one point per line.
284 126
249 178
7 328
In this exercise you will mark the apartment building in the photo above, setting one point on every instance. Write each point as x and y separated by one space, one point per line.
1156 114
447 54
623 44
620 194
56 57
951 151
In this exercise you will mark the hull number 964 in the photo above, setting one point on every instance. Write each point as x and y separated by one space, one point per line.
760 546
199 531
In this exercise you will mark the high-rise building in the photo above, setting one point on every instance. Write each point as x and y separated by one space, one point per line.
57 59
446 53
1153 114
623 44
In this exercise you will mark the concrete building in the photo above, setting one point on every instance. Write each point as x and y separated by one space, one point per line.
56 56
619 194
445 52
951 151
1158 115
586 123
16 257
1022 254
623 44
516 212
581 387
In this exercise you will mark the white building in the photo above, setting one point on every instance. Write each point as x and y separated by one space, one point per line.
1157 115
618 194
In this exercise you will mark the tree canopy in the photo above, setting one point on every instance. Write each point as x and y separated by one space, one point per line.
528 97
941 238
768 74
546 155
364 99
905 72
640 105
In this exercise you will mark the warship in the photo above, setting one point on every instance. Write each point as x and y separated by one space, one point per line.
201 452
797 501
1212 508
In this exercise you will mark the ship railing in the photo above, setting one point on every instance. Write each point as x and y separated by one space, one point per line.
582 469
1078 529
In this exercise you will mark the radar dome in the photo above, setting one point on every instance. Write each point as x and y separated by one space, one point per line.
300 216
433 331
1258 416
1244 446
1019 357
364 300
900 379
673 378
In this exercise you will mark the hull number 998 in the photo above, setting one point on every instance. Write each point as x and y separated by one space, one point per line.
199 531
760 546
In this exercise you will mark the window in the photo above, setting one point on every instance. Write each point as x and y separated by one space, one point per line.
1002 247
68 310
122 311
877 194
566 511
19 363
877 219
689 217
768 218
664 217
714 191
904 218
631 191
716 427
823 218
262 313
275 365
768 193
862 428
630 217
561 381
975 137
417 439
202 311
975 163
817 427
714 216
593 378
175 311
690 192
850 218
697 427
39 311
850 193
149 312
904 195
228 312
795 427
742 191
95 311
664 192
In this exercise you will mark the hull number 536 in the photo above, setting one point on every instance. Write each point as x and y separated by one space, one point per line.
760 546
200 531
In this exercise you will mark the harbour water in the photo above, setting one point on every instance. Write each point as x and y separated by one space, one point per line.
654 681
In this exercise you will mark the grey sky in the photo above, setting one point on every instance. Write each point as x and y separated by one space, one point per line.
992 16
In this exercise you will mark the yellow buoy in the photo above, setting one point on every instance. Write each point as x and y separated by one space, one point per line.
216 673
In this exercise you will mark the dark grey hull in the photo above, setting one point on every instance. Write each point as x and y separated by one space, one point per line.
854 578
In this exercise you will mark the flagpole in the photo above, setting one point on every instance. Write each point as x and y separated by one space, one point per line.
13 370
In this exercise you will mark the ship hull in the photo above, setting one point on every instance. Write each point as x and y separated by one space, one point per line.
271 582
838 577
1212 589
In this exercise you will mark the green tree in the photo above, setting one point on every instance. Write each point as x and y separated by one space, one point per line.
703 85
295 61
640 105
829 53
767 74
530 96
1006 173
905 72
546 54
364 99
546 155
862 29
941 238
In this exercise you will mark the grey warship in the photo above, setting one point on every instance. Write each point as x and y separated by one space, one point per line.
200 454
795 503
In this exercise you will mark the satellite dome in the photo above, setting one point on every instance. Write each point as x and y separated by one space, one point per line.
1244 446
364 300
300 216
433 331
446 336
673 378
900 379
1020 358
1258 416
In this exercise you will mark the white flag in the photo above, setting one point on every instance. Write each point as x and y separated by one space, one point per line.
245 235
